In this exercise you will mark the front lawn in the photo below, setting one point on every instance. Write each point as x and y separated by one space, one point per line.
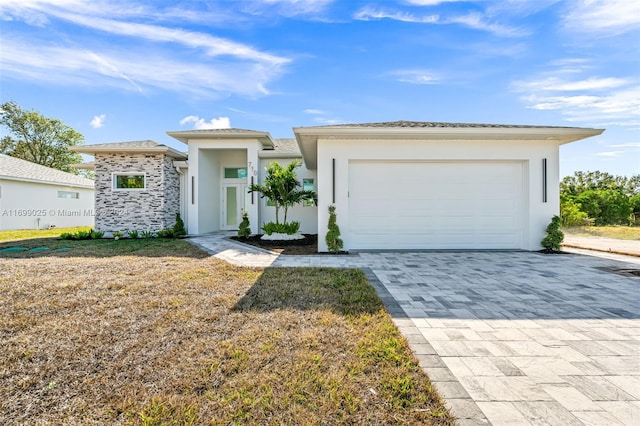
23 234
616 232
157 332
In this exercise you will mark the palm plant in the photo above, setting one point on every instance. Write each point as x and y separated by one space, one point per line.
281 186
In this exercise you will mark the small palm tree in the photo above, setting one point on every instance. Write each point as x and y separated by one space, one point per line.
281 186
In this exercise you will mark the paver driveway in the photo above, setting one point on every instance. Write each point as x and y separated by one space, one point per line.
509 338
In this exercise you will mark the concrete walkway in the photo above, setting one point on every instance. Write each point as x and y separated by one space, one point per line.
609 245
507 338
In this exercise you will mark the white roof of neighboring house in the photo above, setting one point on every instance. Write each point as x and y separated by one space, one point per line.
132 146
17 169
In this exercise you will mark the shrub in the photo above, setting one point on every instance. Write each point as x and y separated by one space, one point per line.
571 215
66 236
146 234
178 228
281 228
117 235
554 235
166 233
96 235
334 242
133 234
244 230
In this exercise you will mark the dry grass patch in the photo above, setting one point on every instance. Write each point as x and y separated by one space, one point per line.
616 232
171 336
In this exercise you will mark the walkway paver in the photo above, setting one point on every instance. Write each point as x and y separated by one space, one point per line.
506 337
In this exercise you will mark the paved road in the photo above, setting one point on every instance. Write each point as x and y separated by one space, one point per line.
508 338
603 244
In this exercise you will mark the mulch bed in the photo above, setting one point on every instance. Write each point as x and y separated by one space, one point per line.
308 245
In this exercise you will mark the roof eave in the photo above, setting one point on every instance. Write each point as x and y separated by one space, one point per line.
87 149
185 136
48 182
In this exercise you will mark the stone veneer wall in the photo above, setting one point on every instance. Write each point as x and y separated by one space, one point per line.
152 209
171 193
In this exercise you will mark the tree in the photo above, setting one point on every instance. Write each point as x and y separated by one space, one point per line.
39 139
334 242
281 186
554 236
605 206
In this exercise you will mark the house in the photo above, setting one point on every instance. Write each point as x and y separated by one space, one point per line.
36 197
395 185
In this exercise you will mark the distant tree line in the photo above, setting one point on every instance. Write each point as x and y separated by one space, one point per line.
599 198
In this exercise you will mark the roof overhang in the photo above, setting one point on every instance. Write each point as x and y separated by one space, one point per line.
185 136
47 182
307 137
161 149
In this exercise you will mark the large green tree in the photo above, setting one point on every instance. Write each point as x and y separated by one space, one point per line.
599 198
39 139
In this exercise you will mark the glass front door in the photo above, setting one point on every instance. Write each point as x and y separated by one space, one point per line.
234 202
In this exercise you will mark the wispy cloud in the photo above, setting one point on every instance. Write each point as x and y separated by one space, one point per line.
590 99
604 17
473 20
98 121
288 8
610 154
201 123
626 145
415 76
370 13
174 59
430 2
314 111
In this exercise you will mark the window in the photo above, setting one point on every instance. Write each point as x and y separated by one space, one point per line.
307 185
128 181
235 172
68 194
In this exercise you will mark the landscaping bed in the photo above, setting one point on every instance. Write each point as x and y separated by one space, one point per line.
158 332
308 245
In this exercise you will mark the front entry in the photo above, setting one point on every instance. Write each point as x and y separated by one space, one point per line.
234 203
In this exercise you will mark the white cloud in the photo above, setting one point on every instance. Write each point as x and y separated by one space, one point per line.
591 99
201 123
174 59
292 7
604 17
626 145
476 21
430 2
369 13
98 121
415 76
314 111
610 154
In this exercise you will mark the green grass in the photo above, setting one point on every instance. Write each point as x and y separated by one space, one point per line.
156 332
24 234
616 232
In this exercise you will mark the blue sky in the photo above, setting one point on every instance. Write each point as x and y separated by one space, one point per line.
131 70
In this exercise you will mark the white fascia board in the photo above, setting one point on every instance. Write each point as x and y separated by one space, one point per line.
186 136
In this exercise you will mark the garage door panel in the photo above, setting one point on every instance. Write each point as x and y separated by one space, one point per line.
435 205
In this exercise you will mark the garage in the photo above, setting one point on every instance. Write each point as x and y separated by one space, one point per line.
435 205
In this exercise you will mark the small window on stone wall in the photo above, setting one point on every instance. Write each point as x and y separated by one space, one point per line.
126 181
68 194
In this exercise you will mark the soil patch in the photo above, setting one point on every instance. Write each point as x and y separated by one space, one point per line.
306 246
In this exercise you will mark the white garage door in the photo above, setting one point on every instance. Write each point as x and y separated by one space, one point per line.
435 205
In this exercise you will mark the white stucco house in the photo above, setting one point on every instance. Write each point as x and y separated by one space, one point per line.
37 197
395 185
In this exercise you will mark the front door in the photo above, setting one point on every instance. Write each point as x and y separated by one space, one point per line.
234 202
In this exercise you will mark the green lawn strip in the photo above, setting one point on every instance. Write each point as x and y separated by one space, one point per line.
25 234
615 232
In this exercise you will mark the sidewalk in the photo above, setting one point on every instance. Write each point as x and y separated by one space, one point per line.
609 245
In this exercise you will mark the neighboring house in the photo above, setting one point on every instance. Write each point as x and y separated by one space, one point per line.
36 197
395 185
